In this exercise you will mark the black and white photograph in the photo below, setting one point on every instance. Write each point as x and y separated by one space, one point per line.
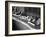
24 18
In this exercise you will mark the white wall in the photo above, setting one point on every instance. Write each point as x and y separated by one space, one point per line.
2 19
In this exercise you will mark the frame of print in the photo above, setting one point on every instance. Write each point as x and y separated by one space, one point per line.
24 18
